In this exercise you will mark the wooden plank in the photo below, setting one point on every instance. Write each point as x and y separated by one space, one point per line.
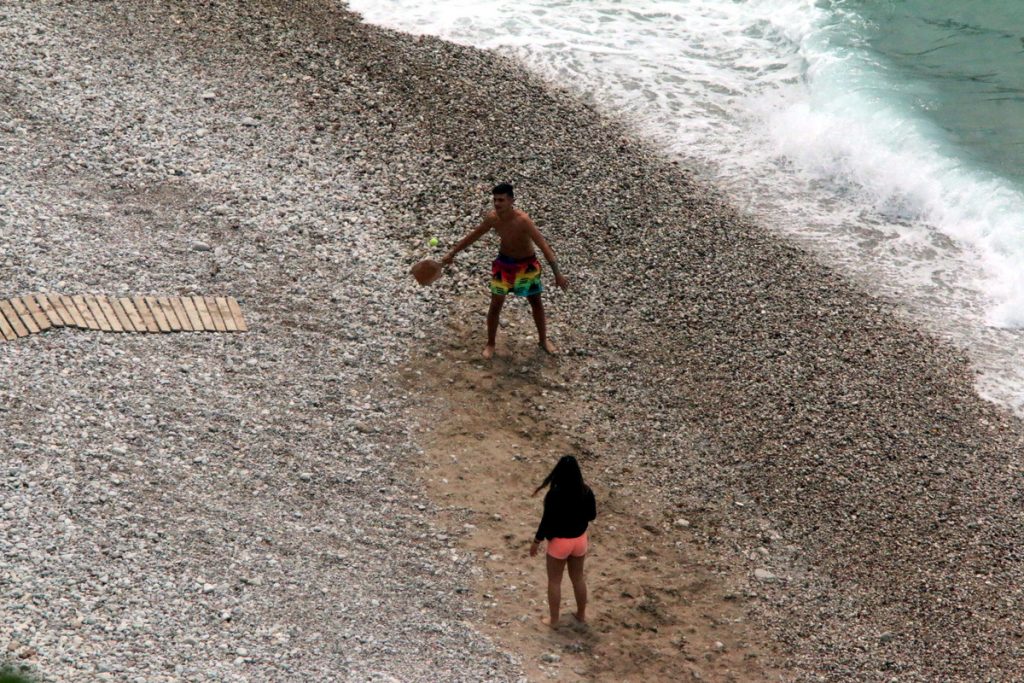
42 322
6 331
133 314
72 308
192 313
168 311
236 312
58 305
48 310
218 321
179 310
225 314
122 318
204 314
108 311
158 315
147 315
97 312
12 318
87 316
26 317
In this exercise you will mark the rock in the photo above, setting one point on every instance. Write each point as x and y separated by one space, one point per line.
746 371
764 575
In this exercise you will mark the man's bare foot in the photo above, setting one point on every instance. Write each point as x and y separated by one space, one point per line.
546 345
580 617
547 622
488 352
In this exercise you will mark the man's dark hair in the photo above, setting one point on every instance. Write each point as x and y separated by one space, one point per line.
504 188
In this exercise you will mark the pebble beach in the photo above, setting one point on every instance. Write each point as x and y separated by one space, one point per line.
244 507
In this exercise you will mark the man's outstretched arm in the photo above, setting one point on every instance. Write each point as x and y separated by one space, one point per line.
475 234
549 254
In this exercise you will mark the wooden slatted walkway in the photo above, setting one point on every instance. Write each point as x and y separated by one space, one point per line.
21 316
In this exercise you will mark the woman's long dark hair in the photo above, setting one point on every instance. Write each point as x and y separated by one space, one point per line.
565 476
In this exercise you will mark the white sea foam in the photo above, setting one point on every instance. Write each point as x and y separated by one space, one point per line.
848 122
784 106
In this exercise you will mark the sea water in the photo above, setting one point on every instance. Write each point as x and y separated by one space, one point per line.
887 135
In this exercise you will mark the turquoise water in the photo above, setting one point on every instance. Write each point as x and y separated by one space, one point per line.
888 136
960 64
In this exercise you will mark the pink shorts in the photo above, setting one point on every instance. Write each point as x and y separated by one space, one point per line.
562 548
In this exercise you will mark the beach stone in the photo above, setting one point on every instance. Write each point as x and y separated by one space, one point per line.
747 371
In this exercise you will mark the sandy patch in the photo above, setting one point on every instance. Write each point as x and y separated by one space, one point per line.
657 611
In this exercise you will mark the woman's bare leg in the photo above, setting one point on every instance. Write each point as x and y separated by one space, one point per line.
579 586
555 567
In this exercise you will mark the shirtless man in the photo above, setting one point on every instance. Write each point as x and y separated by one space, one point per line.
516 269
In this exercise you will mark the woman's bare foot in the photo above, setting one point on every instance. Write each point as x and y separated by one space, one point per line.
579 623
579 627
488 352
547 622
546 345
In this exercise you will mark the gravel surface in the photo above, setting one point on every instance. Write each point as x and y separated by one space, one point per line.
236 507
211 507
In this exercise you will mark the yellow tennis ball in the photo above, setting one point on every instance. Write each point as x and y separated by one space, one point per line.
433 242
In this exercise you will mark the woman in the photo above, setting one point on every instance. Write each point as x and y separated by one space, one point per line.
568 508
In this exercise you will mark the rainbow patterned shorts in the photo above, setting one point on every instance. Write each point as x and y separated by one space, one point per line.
518 276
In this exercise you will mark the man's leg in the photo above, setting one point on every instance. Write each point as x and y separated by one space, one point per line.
493 318
537 305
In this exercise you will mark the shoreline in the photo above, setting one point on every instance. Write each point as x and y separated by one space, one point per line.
799 425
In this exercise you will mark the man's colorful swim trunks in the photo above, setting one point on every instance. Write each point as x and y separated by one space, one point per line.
518 276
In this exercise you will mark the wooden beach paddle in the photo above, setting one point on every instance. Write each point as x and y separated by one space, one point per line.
426 271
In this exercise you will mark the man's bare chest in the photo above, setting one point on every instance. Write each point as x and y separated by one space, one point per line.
512 231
